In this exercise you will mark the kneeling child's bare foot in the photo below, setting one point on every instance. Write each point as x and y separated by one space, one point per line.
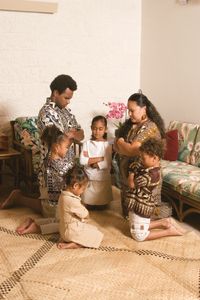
167 222
32 228
174 231
70 245
24 225
178 227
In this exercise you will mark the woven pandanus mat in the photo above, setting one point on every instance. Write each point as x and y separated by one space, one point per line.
31 266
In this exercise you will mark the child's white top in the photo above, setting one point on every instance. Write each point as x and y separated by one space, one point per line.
97 149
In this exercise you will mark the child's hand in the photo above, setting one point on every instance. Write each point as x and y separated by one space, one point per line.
94 166
141 181
85 154
131 182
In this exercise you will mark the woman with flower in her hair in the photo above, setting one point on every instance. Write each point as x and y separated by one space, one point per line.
144 122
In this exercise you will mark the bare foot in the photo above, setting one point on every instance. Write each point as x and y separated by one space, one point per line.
32 228
70 245
177 226
167 222
174 231
10 201
24 225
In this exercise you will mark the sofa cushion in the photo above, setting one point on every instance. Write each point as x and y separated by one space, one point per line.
171 152
182 177
195 155
186 136
26 133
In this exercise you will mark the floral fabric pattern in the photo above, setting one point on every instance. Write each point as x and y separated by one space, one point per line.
186 138
26 132
182 177
195 155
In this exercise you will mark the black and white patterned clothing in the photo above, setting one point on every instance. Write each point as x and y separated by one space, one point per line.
51 114
143 198
54 177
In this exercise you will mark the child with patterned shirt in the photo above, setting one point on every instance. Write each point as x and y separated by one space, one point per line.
56 168
143 180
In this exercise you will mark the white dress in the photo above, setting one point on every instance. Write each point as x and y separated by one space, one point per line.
99 191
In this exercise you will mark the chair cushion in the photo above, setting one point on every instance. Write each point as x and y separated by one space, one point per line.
26 132
186 136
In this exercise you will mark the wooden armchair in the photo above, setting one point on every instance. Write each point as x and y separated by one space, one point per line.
28 173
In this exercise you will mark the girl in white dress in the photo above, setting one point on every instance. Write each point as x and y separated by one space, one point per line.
74 230
96 156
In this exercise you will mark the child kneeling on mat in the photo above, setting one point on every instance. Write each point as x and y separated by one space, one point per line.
143 178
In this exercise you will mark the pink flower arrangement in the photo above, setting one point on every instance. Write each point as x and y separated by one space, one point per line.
117 110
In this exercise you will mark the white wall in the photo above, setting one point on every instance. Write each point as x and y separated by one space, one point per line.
97 42
170 58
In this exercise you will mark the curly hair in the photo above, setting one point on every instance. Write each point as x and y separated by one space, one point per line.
62 82
152 113
76 174
153 147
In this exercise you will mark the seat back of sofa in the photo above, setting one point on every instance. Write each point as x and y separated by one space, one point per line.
195 155
26 133
187 134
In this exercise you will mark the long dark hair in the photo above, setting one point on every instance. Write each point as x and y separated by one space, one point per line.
104 121
151 111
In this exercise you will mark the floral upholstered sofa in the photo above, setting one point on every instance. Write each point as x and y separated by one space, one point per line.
181 177
26 140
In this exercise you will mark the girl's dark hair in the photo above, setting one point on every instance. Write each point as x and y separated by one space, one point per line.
76 175
151 111
52 135
153 147
62 82
103 120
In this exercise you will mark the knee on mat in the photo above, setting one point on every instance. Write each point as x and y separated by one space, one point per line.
139 236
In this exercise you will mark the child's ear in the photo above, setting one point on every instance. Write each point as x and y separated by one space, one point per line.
75 185
155 157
